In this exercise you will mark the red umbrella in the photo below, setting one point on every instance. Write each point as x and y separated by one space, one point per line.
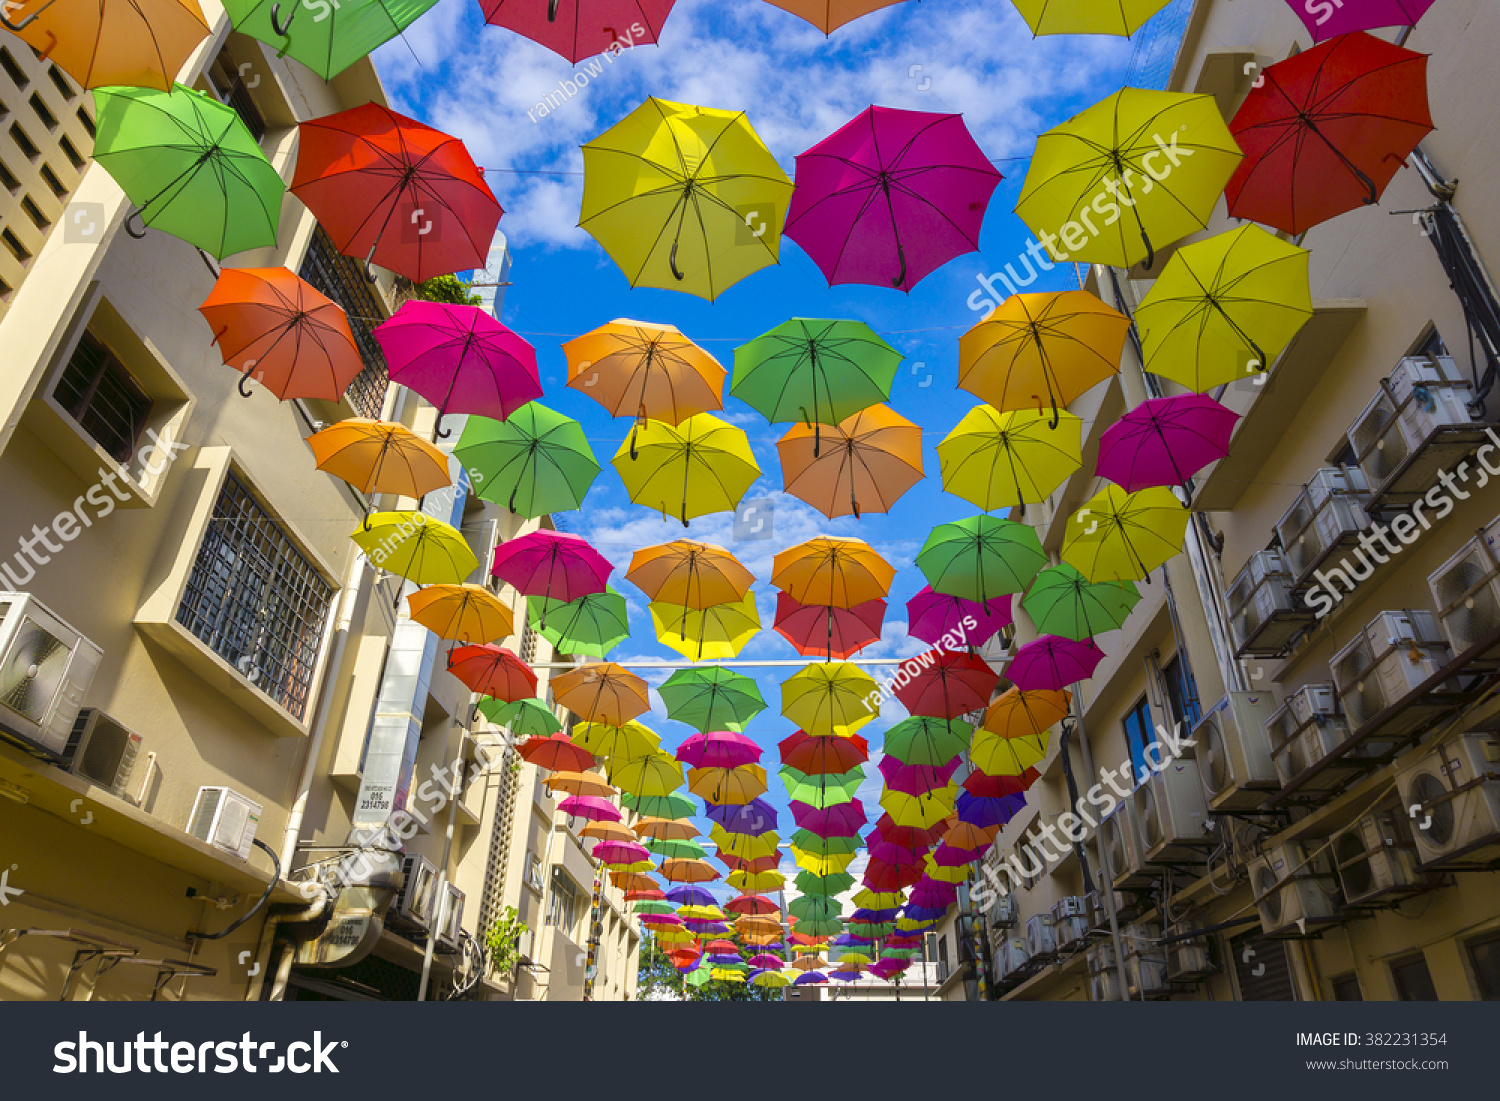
390 188
1326 130
986 786
493 671
911 837
817 756
577 29
951 684
751 904
821 631
880 876
645 894
751 864
555 753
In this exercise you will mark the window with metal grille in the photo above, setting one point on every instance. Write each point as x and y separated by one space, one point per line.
224 76
256 600
342 279
104 398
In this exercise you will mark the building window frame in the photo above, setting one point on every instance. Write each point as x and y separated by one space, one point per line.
1140 731
1409 984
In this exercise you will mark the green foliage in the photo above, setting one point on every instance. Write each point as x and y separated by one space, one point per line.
502 939
446 288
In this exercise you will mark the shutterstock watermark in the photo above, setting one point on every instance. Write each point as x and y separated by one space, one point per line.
594 68
911 667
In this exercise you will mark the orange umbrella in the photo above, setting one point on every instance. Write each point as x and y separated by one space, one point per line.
757 924
832 572
861 466
666 829
142 43
688 871
608 831
272 326
581 783
636 369
689 574
632 881
966 835
829 15
1018 714
602 692
466 613
752 864
380 457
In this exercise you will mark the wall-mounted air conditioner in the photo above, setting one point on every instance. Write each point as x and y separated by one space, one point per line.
415 904
1466 591
1394 655
1104 977
1070 923
526 946
452 918
1003 912
1041 944
102 751
1171 815
225 819
1264 614
1431 408
1310 532
1413 371
1290 894
1145 960
1374 857
1013 958
1234 751
45 668
1455 789
1119 832
1380 446
1331 481
1189 960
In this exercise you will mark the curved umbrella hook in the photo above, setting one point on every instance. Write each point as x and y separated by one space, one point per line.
552 6
900 252
282 29
672 263
135 212
244 378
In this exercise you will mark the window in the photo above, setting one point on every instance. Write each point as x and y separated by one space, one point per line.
342 280
1182 693
23 143
55 185
533 871
1261 968
71 153
49 120
1412 979
942 958
565 906
104 398
7 180
1432 345
1484 955
229 85
61 82
14 247
1138 735
34 212
256 600
1346 988
12 70
87 121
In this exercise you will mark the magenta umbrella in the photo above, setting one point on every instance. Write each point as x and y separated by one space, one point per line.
916 779
949 856
1165 441
591 807
932 616
459 358
556 565
890 196
621 852
897 856
718 749
1053 662
930 894
577 29
839 820
767 962
1327 18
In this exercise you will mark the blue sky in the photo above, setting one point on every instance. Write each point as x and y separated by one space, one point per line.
961 56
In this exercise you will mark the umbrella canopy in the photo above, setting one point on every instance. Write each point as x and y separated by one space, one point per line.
718 749
675 805
493 671
1165 441
1050 663
608 831
688 871
594 809
1326 130
592 625
947 684
944 620
828 631
556 565
666 829
601 692
821 789
619 852
838 820
830 698
862 464
650 774
890 876
555 752
459 358
1118 17
727 786
700 466
811 978
833 572
646 371
980 557
672 192
1327 20
137 43
392 189
190 165
813 756
1116 150
927 740
995 787
916 779
829 15
890 196
380 457
1020 713
1120 536
999 755
620 742
754 905
713 633
331 39
921 811
968 836
415 546
536 462
688 895
577 29
466 613
979 811
755 881
523 718
1063 602
689 574
910 837
272 326
816 886
1224 308
995 460
711 699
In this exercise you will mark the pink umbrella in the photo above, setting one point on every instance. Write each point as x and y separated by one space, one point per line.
459 358
1165 441
1053 662
767 962
839 820
718 749
621 852
947 856
577 29
660 919
591 807
916 779
930 893
831 632
888 967
897 856
1332 17
950 683
552 564
932 616
890 196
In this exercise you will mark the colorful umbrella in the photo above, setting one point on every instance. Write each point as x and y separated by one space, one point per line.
649 372
619 852
678 849
100 43
493 671
711 699
890 876
728 786
666 829
830 698
713 633
380 457
829 15
523 718
944 620
1051 663
830 631
1117 17
1325 20
813 756
890 196
1120 536
609 831
616 743
1165 441
928 740
833 572
592 625
995 787
651 774
821 789
755 881
536 462
556 752
1063 602
675 805
556 565
688 871
754 905
946 684
916 779
867 462
700 466
415 546
995 460
1018 713
336 36
999 755
577 29
465 613
601 692
718 749
689 574
838 820
584 806
979 811
981 557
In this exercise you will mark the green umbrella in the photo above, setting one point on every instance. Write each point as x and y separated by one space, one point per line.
825 885
677 850
981 557
900 953
697 977
652 906
928 741
873 931
821 791
334 35
814 371
813 908
1064 602
675 805
820 927
711 698
535 462
528 718
825 846
190 166
591 625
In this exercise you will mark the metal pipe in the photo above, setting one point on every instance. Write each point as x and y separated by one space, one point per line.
283 972
268 936
1107 885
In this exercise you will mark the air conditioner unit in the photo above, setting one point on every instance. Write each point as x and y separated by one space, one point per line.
1466 591
1307 895
526 946
1262 564
1189 960
1333 480
1431 408
1386 662
1069 906
1380 446
1374 857
1270 619
1171 814
1119 832
1104 977
1145 960
1070 923
1313 699
452 918
45 669
1234 751
1012 958
1310 532
1456 792
102 751
1414 371
1003 912
225 819
1040 942
415 904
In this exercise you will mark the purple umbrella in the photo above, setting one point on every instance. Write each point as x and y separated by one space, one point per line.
753 818
845 976
988 811
889 197
713 927
810 978
718 749
459 358
875 916
1324 20
1165 441
551 564
839 820
916 779
725 957
690 895
931 616
1052 662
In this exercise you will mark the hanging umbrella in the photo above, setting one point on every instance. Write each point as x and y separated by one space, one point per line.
577 29
583 806
1063 602
190 166
942 620
813 908
897 856
755 881
274 327
1117 17
649 372
459 358
862 464
601 692
944 873
979 811
947 684
824 887
608 831
1120 536
828 631
1019 713
700 466
555 565
821 789
830 698
1224 308
619 852
890 197
968 836
556 752
833 572
651 774
727 786
493 671
1038 350
928 740
769 978
713 633
922 811
380 457
675 805
332 39
681 850
890 876
1050 663
718 749
387 187
829 15
100 43
1165 156
811 978
666 829
464 613
612 743
711 698
822 863
1327 20
754 905
915 779
839 820
995 460
415 546
684 198
756 818
689 574
688 871
523 718
814 371
999 755
690 895
534 463
995 787
981 557
591 626
1326 130
827 754
912 837
1165 441
633 894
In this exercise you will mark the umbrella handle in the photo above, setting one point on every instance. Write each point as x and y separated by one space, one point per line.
1150 252
632 444
1057 417
512 504
28 21
440 433
135 213
684 514
672 263
900 252
552 6
282 29
367 521
240 386
370 276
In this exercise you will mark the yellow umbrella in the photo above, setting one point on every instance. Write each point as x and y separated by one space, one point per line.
727 787
994 460
943 873
831 572
1117 17
580 783
615 742
415 546
830 698
723 974
466 613
649 372
1007 755
772 979
649 775
701 913
380 457
1117 536
712 634
822 863
758 883
674 934
743 844
99 43
690 469
920 811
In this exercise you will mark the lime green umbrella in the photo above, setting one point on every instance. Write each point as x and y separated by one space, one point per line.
711 698
821 791
675 805
592 625
981 557
820 928
699 977
1064 602
823 885
528 718
871 930
534 462
332 34
806 839
677 850
190 166
927 741
651 906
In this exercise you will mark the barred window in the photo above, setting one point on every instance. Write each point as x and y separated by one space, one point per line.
256 600
104 398
341 279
